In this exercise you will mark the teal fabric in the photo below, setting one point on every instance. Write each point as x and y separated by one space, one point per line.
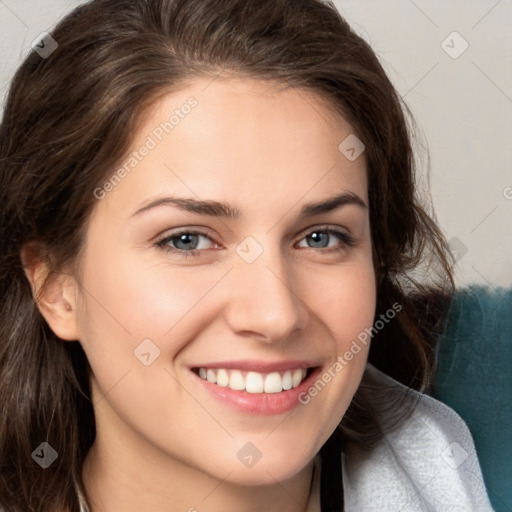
474 377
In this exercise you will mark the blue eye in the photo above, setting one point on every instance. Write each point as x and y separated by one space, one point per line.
321 238
185 242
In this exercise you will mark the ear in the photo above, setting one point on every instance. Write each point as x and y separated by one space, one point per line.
53 292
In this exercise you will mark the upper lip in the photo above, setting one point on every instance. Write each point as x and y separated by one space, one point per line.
259 366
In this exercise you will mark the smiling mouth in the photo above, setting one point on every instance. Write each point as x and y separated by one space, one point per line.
254 382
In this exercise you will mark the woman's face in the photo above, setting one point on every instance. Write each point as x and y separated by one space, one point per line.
254 294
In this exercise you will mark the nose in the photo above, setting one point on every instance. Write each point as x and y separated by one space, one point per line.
265 298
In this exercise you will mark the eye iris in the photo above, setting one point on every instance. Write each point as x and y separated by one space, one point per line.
316 237
189 239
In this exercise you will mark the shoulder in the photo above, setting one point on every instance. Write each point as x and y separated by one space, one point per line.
428 463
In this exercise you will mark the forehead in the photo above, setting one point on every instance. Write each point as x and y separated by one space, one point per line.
220 138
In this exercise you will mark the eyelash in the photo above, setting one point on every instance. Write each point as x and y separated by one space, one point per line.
346 241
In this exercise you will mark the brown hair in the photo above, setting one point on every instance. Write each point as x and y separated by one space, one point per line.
68 121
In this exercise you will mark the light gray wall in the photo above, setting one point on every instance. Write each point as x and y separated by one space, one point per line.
464 108
462 103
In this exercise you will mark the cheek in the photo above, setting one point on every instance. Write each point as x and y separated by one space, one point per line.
346 307
128 302
345 300
353 319
128 305
134 299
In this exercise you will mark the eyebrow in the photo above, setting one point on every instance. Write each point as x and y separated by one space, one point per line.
227 211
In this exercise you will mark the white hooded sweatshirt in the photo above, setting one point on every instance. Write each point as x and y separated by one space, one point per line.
428 464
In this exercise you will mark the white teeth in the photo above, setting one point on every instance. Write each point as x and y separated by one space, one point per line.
287 380
273 383
236 381
296 378
254 382
222 378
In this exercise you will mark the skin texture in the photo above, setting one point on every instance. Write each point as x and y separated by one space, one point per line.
163 442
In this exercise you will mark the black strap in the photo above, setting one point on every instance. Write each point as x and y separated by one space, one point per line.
331 481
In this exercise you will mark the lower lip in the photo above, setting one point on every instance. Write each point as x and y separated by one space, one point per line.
260 403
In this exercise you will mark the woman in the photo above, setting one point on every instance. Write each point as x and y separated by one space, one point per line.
211 271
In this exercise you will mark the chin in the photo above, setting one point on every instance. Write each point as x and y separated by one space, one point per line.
258 467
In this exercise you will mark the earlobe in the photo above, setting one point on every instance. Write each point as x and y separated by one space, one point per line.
53 292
